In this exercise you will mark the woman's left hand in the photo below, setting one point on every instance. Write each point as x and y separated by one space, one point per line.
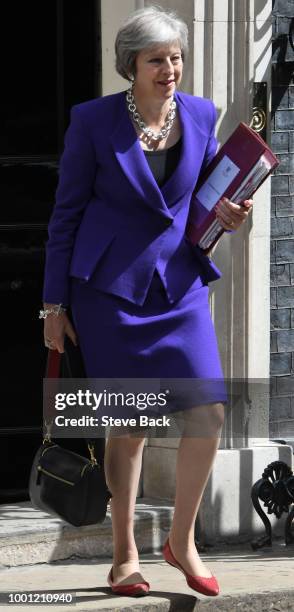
231 215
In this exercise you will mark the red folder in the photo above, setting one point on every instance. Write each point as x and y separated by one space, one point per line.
238 169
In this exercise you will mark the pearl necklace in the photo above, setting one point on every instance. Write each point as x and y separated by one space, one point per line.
166 128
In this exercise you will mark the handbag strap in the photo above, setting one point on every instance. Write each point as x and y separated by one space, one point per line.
53 370
53 364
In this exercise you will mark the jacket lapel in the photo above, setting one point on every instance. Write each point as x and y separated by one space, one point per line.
132 160
193 148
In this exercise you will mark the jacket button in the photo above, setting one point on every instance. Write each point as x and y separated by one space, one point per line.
168 222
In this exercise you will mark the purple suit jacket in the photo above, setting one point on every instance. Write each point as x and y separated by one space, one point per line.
112 226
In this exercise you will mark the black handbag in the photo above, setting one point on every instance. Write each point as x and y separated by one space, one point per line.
62 482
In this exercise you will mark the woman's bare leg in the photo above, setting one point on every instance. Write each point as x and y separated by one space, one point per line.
195 459
123 460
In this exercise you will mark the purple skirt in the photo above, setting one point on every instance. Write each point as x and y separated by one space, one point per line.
120 339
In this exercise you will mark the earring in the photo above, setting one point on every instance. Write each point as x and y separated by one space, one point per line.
132 78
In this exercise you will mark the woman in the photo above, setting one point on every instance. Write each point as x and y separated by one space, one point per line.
138 292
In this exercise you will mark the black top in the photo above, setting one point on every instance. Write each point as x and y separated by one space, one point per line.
164 162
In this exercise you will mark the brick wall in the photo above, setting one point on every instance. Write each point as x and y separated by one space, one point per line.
282 225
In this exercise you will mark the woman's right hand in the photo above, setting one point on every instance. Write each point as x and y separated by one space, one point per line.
55 328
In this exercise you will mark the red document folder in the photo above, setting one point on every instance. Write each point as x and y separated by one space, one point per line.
236 172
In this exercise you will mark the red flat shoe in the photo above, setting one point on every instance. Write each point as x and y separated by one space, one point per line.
205 586
138 588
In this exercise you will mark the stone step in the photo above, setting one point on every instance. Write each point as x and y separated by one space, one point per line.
259 581
44 555
28 536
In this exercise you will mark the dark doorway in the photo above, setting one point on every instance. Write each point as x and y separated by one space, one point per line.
50 61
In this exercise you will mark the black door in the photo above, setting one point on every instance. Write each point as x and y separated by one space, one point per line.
50 61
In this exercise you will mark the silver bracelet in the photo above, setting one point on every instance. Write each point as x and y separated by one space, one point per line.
57 310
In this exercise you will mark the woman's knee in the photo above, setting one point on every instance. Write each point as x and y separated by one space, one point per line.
128 439
205 420
217 413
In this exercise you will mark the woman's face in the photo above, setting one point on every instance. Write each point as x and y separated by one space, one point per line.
158 71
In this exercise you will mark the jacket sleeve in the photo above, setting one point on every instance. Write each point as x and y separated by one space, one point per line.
212 147
212 144
76 179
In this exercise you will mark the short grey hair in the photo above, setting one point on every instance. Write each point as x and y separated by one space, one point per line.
147 28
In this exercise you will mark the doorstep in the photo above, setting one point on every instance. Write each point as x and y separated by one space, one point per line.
28 536
44 554
255 581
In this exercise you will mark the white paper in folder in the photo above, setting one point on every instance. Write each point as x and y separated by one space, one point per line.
217 183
